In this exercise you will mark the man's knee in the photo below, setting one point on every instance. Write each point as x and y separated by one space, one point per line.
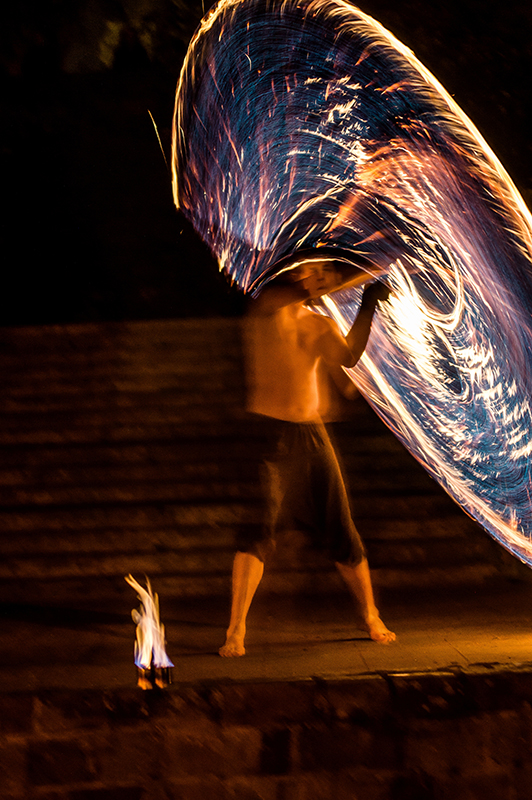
261 550
350 552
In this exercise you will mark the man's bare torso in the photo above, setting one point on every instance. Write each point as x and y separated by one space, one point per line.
283 350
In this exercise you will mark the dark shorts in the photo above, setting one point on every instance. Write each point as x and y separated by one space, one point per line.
304 490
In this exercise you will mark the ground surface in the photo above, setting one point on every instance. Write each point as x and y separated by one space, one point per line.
289 638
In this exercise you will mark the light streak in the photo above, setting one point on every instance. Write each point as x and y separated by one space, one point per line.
305 124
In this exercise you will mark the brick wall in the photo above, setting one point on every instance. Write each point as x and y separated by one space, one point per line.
463 735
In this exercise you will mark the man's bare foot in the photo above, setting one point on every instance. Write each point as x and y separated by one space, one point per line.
378 631
233 647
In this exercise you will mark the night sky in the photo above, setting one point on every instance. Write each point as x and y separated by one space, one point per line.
90 231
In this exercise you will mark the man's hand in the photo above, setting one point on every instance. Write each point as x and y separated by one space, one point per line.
357 337
376 291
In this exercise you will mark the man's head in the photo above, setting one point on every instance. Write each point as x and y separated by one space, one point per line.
319 275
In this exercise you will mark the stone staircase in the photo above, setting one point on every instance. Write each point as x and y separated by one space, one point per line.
124 448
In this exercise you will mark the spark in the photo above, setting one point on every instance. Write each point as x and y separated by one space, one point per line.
159 139
341 138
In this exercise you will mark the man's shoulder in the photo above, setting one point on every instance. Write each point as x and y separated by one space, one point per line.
320 323
274 298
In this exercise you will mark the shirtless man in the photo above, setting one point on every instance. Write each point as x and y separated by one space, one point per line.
286 342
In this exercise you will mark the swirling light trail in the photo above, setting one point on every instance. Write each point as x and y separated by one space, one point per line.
304 124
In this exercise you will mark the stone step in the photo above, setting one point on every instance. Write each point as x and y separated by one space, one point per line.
381 535
393 512
374 521
183 562
209 561
182 551
191 454
112 417
145 328
111 387
108 540
15 345
64 477
103 433
17 483
16 408
101 517
44 380
170 479
58 345
456 527
212 423
78 591
119 338
434 552
236 438
156 491
175 353
161 490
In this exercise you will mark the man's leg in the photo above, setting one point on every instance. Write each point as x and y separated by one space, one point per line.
247 574
358 581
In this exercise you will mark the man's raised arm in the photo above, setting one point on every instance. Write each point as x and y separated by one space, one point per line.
358 336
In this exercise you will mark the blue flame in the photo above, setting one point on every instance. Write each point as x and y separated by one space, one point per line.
304 124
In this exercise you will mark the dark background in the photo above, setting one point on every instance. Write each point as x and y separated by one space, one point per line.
89 230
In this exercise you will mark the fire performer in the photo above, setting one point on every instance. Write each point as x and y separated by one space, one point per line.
286 342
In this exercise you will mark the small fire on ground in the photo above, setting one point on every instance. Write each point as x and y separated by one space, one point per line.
152 662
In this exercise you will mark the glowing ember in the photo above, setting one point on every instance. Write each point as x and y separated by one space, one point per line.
303 124
150 652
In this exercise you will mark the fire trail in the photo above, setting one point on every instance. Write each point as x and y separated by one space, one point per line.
304 124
